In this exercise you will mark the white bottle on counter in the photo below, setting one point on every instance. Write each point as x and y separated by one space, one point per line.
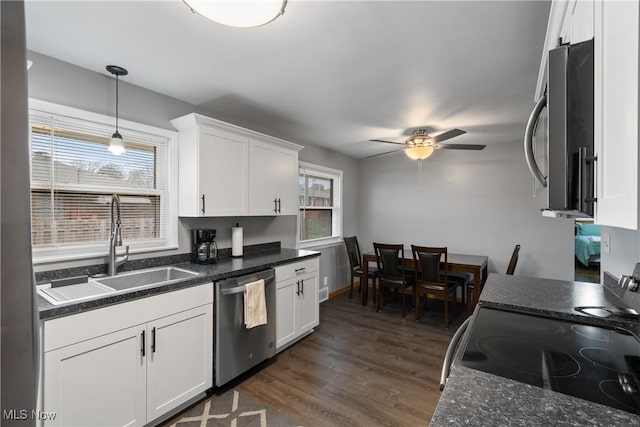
236 241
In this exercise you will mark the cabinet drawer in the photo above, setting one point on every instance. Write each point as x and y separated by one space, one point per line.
296 269
69 330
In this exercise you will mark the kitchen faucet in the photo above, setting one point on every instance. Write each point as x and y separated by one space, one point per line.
115 238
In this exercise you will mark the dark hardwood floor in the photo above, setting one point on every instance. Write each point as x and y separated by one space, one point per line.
587 274
359 368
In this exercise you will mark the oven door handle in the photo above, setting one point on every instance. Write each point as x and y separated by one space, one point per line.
451 350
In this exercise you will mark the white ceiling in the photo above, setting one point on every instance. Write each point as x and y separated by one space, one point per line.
332 73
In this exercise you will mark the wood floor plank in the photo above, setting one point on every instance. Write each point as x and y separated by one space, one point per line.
359 368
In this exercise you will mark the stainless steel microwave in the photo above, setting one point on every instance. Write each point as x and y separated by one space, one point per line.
568 97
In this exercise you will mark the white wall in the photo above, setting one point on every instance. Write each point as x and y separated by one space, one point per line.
625 251
475 202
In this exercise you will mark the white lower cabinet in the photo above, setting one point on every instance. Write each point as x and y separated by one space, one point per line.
179 365
130 375
297 301
98 382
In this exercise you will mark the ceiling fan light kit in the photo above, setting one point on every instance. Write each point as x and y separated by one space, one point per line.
238 13
419 152
116 143
421 145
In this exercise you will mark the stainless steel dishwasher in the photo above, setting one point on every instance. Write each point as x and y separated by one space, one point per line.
238 349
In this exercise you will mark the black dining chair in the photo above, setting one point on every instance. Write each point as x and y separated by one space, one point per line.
511 268
432 278
467 278
391 271
355 261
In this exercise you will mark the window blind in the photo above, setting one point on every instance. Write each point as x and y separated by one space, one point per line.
73 177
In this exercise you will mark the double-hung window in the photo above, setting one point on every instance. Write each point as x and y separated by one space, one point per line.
74 176
320 200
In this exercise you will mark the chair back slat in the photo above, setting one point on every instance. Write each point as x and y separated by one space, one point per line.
428 262
389 258
353 251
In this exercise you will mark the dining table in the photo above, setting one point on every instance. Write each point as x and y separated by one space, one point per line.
466 263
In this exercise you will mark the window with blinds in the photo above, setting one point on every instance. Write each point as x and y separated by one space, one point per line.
319 201
73 177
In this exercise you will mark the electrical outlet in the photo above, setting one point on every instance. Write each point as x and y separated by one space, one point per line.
606 243
325 280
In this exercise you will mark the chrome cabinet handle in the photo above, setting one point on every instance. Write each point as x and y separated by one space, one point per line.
528 141
279 206
202 204
300 270
275 205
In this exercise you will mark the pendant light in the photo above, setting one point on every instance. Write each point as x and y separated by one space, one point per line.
238 13
116 144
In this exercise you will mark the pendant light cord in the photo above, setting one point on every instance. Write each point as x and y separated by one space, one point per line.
117 115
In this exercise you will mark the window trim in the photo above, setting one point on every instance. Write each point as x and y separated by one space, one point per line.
336 175
93 250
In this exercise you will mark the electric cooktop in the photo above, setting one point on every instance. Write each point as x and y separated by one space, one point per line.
595 363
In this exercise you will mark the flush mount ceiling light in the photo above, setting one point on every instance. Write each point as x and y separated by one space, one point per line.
116 144
238 13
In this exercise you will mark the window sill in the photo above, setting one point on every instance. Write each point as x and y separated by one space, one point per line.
320 243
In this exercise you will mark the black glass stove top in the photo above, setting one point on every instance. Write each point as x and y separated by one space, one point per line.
593 363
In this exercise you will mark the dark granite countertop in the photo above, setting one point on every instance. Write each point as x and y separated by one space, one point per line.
473 397
226 267
552 298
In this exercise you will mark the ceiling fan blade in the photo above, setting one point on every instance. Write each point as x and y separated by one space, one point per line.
388 142
460 147
447 135
384 154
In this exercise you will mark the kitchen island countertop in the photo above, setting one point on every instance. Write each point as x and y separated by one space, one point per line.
473 397
226 267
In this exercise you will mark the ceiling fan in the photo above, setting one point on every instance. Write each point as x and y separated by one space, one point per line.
421 145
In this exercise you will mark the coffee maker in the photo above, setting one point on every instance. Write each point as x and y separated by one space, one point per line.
204 249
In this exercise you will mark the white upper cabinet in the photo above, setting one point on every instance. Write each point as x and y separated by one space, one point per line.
226 170
273 177
616 113
287 182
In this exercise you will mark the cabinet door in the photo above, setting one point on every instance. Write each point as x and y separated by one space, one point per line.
262 182
286 303
223 173
308 311
581 12
616 113
98 382
180 359
287 182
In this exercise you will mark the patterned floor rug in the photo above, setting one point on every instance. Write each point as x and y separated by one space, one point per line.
231 409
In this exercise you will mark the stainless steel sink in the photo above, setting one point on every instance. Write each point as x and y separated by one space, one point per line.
137 279
94 288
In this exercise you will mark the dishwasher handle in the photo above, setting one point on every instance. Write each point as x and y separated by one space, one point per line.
241 288
451 350
233 291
